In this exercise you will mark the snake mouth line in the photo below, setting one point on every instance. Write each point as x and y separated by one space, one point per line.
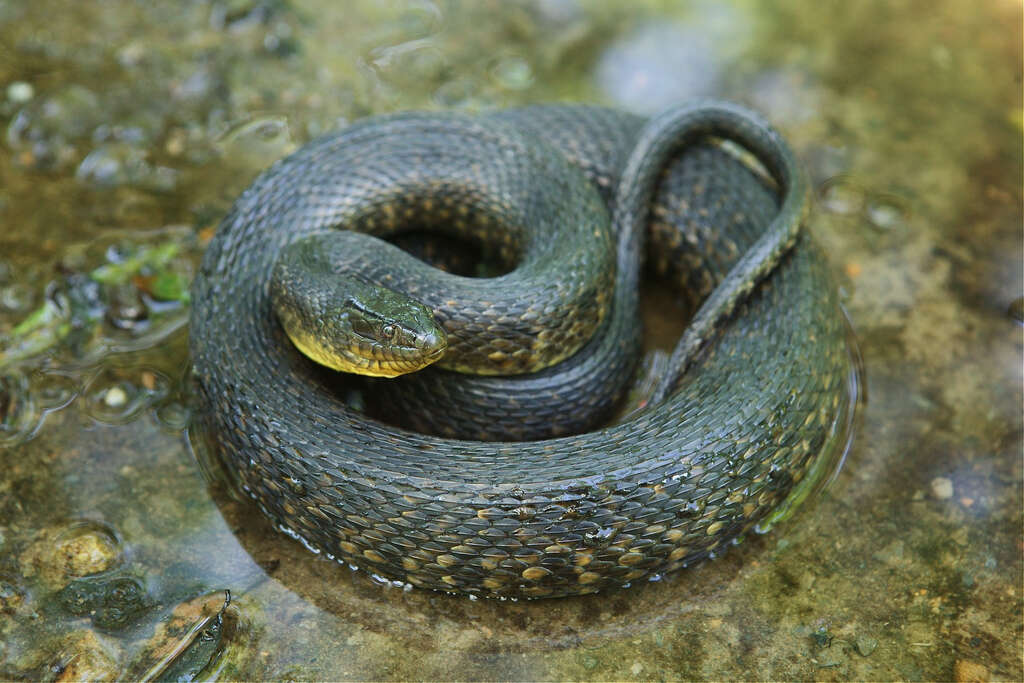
407 359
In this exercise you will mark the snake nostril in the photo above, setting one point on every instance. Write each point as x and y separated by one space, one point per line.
432 343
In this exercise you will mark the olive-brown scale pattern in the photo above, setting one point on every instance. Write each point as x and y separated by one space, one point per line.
694 249
545 518
487 184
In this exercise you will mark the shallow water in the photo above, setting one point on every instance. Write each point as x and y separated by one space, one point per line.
129 124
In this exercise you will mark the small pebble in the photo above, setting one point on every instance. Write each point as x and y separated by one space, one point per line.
637 668
884 216
115 397
942 488
841 198
513 73
87 553
965 671
16 297
865 645
20 92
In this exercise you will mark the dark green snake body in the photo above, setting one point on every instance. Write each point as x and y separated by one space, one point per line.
483 182
755 391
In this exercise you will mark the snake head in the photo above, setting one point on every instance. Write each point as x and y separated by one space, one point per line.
354 326
390 333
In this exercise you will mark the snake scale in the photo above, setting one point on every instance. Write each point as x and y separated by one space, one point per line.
754 393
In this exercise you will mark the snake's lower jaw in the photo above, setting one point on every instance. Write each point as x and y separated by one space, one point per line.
434 357
430 348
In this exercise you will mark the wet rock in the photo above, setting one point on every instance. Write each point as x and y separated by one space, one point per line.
79 549
109 166
116 164
821 637
194 636
87 549
12 595
865 645
82 656
892 555
197 86
112 603
46 130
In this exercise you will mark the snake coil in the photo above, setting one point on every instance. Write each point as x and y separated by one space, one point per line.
756 390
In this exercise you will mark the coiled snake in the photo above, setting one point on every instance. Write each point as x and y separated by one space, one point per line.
754 392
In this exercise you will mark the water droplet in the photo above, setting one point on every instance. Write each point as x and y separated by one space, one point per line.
300 538
840 196
55 391
513 73
885 213
20 92
457 94
19 414
173 415
257 142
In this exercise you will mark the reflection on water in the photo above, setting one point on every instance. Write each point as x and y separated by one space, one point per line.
829 462
114 552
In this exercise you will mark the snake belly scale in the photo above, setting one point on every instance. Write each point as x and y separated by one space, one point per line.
750 401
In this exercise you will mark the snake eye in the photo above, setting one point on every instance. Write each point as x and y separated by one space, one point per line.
388 332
